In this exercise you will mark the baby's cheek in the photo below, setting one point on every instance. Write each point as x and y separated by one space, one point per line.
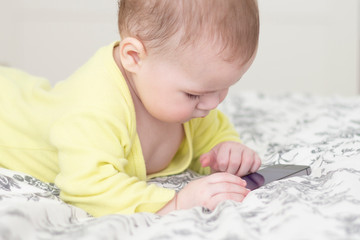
183 114
177 113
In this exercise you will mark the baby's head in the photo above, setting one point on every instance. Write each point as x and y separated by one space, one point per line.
181 56
230 26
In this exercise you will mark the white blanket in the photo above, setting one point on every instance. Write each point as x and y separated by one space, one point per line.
323 132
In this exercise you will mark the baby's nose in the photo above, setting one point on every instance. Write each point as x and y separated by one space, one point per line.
209 101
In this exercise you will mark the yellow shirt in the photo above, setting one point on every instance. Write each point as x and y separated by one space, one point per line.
81 134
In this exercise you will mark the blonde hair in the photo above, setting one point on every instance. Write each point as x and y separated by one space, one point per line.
231 24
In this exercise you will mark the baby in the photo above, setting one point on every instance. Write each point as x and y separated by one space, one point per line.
139 108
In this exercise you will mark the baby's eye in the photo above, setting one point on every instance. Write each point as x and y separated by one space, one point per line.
192 96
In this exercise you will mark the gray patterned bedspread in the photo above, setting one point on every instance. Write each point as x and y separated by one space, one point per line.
323 132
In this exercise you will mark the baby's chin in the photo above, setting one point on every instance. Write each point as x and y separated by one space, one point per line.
184 120
199 116
202 115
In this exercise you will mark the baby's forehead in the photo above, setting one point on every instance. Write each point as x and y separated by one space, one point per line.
199 61
200 52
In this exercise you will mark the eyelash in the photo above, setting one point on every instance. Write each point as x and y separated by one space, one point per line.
192 97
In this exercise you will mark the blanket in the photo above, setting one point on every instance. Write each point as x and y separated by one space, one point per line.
322 132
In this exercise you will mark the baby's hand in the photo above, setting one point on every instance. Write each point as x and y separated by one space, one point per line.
209 191
231 157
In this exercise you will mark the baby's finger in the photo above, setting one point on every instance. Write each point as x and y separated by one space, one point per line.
205 160
257 163
209 160
223 188
246 162
234 161
225 177
222 158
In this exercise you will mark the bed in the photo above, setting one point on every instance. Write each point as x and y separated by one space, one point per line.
323 132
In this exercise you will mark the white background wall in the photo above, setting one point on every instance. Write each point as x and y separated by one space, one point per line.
52 38
305 45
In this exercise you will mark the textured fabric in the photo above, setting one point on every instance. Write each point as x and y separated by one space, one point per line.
322 132
81 134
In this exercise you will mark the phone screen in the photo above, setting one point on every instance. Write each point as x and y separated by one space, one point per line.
273 173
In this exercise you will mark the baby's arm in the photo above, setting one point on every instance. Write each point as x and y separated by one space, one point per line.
95 171
208 192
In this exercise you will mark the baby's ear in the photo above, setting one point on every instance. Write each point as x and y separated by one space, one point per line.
132 51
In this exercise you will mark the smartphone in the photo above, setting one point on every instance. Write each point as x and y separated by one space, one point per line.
273 173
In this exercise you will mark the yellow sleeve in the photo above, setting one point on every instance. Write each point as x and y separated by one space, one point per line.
95 172
207 133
